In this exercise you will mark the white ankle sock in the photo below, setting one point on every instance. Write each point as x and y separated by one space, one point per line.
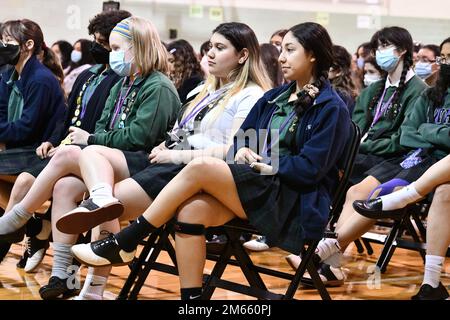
401 198
93 287
329 252
433 269
101 194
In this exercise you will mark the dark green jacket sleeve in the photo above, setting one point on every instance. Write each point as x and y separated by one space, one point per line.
437 134
149 123
416 116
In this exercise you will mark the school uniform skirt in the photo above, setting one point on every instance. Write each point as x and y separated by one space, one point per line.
154 177
136 161
362 164
271 207
15 161
391 169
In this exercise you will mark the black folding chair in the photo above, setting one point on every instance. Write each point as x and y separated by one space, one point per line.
141 266
159 241
396 238
234 229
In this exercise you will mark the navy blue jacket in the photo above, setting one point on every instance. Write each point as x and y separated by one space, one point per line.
43 107
313 169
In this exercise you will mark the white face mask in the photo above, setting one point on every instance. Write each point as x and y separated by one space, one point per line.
75 56
370 78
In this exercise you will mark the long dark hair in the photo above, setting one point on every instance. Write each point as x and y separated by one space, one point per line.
437 93
86 56
269 57
24 30
314 39
66 49
402 39
341 63
186 63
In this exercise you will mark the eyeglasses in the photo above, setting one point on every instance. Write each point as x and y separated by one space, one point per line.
425 60
443 60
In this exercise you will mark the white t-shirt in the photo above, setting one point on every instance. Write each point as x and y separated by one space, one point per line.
213 133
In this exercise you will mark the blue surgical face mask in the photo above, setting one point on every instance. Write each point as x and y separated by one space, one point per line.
387 59
360 62
423 69
118 64
76 56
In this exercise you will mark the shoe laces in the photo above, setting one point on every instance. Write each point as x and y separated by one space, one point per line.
28 246
110 239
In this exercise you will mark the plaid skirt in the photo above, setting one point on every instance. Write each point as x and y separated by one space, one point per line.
156 176
362 164
271 207
18 160
391 169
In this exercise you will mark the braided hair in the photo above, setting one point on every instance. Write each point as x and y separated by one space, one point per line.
315 39
402 40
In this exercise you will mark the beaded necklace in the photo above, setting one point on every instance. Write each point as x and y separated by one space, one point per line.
80 109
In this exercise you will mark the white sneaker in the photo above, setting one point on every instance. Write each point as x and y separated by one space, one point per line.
258 244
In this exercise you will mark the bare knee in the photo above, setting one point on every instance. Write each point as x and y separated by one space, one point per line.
66 154
89 150
193 211
202 168
356 192
63 189
442 194
24 182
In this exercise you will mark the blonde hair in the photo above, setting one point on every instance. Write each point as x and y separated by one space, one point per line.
242 37
149 52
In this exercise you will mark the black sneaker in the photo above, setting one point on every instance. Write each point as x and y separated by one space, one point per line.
4 249
57 289
427 292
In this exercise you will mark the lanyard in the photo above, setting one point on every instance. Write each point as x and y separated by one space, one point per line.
119 103
381 107
86 95
282 127
200 106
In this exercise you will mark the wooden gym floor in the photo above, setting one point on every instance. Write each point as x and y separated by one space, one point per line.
401 280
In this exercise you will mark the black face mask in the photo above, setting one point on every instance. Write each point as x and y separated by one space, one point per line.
444 72
9 54
99 53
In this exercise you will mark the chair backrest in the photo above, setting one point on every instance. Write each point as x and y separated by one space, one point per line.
346 167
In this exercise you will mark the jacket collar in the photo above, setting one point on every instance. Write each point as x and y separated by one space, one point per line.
27 72
325 94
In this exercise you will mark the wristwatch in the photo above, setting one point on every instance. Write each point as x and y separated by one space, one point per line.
91 139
